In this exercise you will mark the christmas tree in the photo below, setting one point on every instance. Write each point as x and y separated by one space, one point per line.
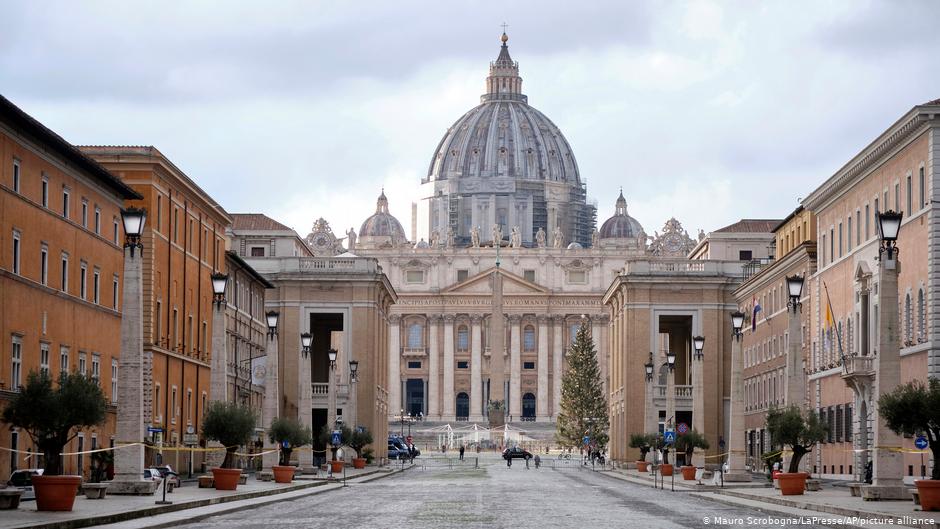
583 405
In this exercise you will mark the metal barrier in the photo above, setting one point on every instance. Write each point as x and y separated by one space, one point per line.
449 463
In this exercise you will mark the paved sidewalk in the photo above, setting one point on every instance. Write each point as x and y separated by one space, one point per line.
188 502
646 478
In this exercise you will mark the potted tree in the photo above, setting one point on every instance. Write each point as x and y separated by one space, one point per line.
231 425
687 443
289 434
326 438
800 432
53 415
660 445
913 409
642 441
358 439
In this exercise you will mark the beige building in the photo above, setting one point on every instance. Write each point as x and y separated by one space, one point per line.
765 335
897 171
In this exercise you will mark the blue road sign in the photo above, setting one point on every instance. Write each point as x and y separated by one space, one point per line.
337 438
154 429
285 444
920 442
586 440
669 437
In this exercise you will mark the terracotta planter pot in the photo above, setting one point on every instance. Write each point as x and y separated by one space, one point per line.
688 473
665 470
337 466
283 474
55 493
792 484
226 478
642 466
359 463
929 492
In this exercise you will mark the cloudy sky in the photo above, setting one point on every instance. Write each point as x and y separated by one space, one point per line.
706 111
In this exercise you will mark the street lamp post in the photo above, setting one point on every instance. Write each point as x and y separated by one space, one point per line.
129 461
888 464
271 392
652 414
698 395
670 390
736 454
305 409
217 377
796 380
331 417
354 397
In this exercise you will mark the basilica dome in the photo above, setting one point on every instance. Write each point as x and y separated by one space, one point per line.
620 227
505 163
382 228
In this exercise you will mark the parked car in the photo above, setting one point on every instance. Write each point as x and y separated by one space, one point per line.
393 451
152 474
167 470
516 453
22 479
402 445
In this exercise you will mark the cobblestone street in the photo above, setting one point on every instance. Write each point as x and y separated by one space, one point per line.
492 496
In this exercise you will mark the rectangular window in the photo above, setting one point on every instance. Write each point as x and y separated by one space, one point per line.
65 203
44 265
414 365
157 418
257 251
114 292
96 367
16 252
159 211
173 412
840 239
897 197
528 365
45 191
463 364
114 228
832 244
577 277
65 272
114 380
189 406
922 187
63 359
16 358
528 339
190 343
463 339
176 224
97 220
858 227
867 222
82 280
16 175
848 235
44 358
84 213
910 196
414 276
97 286
529 275
462 275
83 362
745 255
174 344
823 250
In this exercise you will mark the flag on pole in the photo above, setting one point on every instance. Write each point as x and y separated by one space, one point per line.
830 324
756 310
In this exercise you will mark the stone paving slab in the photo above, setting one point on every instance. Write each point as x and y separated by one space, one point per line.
645 478
788 512
119 508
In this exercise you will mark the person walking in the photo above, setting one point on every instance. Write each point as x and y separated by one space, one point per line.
509 461
461 452
538 461
526 463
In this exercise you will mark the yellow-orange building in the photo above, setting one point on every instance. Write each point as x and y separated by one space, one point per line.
184 243
60 273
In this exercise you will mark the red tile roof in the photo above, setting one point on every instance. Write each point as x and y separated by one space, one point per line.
751 226
934 102
256 221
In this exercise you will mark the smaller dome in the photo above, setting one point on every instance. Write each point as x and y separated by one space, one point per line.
575 246
621 225
382 224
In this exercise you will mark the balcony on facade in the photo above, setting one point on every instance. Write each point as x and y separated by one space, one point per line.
683 397
688 267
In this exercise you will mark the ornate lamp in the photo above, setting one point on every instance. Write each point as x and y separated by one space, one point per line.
305 340
332 354
649 368
219 280
795 289
671 360
698 342
133 220
271 317
737 322
889 224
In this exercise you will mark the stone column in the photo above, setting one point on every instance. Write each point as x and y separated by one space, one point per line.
651 418
736 449
272 397
887 469
448 412
476 368
698 402
796 379
557 363
394 366
434 369
305 409
129 462
541 399
515 368
670 397
598 323
218 378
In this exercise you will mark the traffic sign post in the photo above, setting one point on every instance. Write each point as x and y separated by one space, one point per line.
921 444
337 438
669 437
683 428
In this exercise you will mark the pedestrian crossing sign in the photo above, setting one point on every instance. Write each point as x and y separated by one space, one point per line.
669 436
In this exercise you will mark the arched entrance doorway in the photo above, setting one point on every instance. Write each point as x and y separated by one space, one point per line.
528 407
463 406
